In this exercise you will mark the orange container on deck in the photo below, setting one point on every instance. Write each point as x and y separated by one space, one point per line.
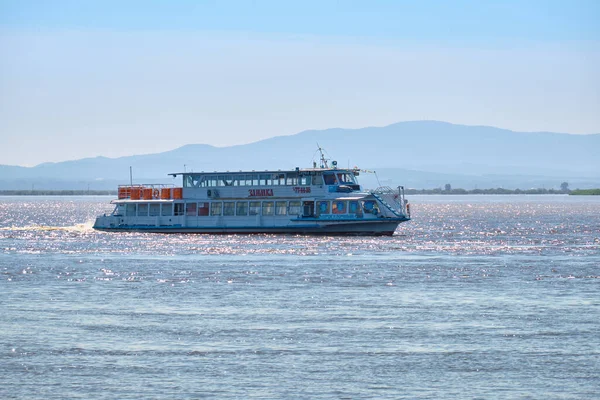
124 192
136 193
165 193
178 193
147 193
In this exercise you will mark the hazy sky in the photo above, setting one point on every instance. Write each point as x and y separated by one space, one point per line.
87 78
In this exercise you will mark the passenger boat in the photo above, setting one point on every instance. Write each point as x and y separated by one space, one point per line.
318 200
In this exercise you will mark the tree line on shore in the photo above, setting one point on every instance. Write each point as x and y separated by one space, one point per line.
587 192
503 191
564 189
486 191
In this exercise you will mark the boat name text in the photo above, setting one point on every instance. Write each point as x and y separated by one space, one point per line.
260 192
299 189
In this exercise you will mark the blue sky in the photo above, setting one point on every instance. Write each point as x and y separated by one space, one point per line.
435 20
112 78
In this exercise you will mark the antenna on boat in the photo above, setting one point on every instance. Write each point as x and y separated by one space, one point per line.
130 176
323 159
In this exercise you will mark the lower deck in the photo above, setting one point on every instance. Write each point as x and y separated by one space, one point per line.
325 208
374 213
339 216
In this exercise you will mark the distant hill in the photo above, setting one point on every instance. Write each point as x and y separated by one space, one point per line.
430 152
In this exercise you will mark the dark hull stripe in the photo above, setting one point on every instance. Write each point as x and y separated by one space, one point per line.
378 228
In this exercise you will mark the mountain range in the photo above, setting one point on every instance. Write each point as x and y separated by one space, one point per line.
420 154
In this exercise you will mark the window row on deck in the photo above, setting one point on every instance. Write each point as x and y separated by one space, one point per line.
245 208
268 179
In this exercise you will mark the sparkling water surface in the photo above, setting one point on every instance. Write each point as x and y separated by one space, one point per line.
478 297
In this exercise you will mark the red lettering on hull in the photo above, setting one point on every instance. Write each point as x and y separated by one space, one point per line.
300 189
260 192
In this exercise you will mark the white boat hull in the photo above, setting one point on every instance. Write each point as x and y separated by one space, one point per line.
313 201
381 226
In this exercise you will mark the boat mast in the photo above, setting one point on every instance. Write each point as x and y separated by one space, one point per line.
323 159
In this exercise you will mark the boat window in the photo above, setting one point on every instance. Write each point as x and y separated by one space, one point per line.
196 180
190 209
229 208
239 180
329 179
265 179
267 208
118 211
154 210
209 181
295 208
178 210
224 180
280 207
203 209
304 180
291 179
339 207
370 207
317 180
346 178
130 210
215 208
167 210
248 180
192 180
278 179
353 207
241 208
255 181
254 207
142 210
323 207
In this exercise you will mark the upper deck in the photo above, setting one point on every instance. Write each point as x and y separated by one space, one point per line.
262 183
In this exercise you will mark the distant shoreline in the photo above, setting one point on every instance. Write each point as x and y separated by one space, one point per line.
586 192
439 191
577 192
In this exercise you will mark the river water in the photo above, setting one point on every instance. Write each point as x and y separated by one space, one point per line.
478 297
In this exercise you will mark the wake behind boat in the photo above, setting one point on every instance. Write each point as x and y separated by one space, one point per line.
318 200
